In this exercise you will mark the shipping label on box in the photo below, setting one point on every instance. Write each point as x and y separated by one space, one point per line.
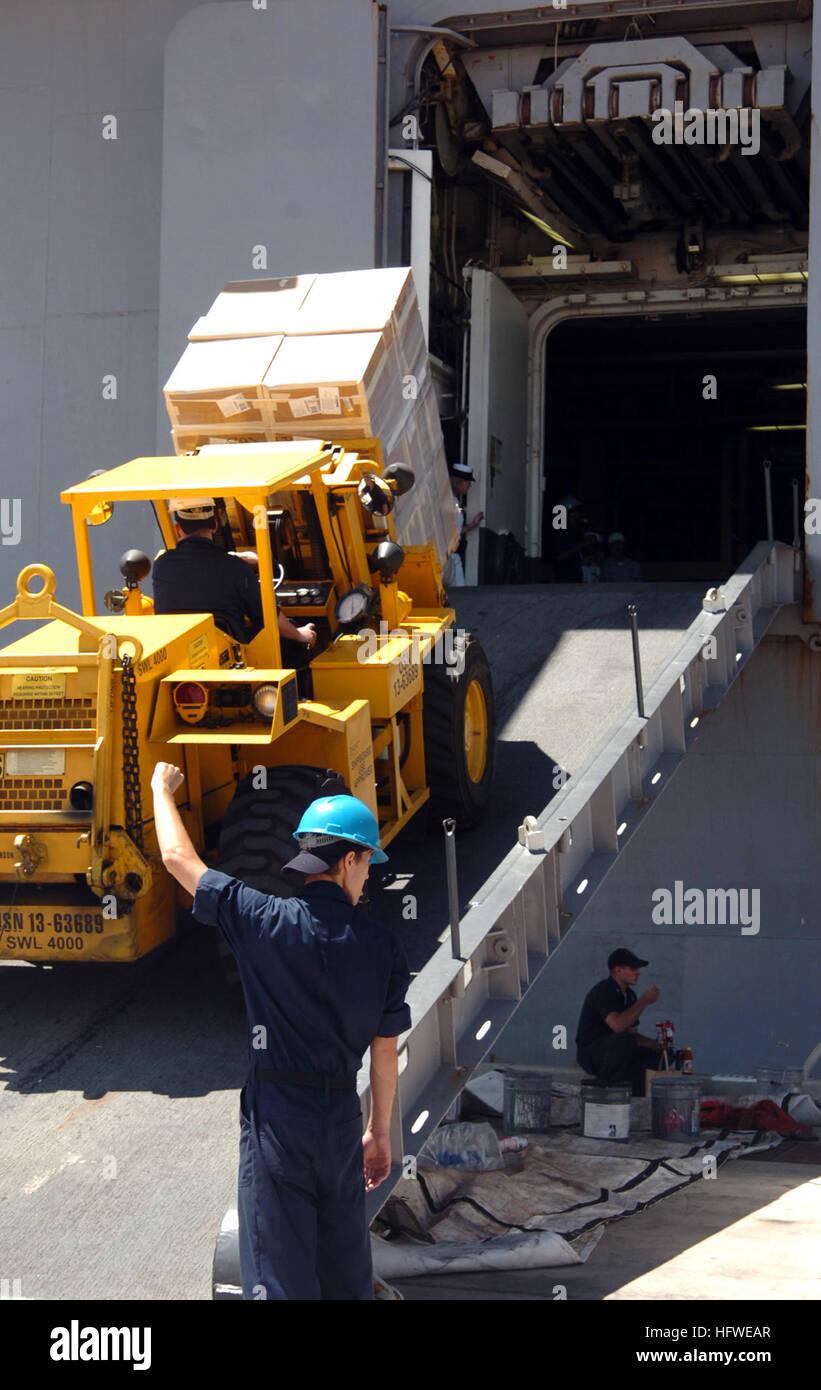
304 405
232 405
319 402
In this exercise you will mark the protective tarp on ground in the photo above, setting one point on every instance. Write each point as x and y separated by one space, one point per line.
551 1203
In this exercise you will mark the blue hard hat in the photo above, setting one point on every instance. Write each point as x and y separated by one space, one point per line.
331 820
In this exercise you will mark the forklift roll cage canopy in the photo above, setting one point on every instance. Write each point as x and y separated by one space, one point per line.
250 479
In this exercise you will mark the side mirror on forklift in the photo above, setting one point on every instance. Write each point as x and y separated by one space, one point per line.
102 511
386 560
375 495
401 476
134 566
100 514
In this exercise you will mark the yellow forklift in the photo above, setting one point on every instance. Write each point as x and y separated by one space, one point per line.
396 706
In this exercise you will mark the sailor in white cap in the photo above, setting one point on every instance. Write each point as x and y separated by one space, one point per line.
199 576
461 477
616 567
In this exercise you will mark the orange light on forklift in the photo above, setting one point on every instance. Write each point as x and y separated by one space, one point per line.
191 701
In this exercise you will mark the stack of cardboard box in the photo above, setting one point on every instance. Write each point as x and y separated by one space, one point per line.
339 356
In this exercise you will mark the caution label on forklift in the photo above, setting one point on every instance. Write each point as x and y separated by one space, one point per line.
35 762
39 685
198 652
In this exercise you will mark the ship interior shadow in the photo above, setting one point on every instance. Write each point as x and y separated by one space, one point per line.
662 426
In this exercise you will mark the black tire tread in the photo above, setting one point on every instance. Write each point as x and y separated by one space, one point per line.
257 829
256 837
451 793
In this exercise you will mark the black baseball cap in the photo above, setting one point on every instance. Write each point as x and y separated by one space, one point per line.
624 957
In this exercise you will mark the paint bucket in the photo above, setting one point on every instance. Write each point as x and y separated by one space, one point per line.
606 1112
527 1096
783 1079
675 1105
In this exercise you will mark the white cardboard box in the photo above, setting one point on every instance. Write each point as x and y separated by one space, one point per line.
329 378
354 301
340 356
218 382
249 308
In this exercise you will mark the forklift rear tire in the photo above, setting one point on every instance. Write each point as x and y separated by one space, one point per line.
459 717
256 838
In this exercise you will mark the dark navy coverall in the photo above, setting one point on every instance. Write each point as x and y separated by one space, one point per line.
200 576
612 1057
322 980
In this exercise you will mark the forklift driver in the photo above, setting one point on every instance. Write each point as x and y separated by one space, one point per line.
199 576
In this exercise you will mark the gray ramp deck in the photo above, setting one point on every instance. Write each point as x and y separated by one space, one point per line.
562 662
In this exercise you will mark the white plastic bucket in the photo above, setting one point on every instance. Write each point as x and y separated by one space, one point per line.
606 1112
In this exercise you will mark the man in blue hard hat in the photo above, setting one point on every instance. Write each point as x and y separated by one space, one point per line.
322 983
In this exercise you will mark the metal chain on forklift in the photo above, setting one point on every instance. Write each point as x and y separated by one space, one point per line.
131 757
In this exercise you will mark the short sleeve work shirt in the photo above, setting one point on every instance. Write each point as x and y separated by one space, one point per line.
319 975
200 576
603 999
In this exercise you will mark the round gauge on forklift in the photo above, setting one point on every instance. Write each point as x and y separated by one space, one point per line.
353 606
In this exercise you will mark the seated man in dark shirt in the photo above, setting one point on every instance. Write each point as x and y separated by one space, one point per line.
608 1043
199 576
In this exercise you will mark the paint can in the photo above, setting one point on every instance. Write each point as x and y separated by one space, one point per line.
675 1105
779 1078
606 1112
527 1097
